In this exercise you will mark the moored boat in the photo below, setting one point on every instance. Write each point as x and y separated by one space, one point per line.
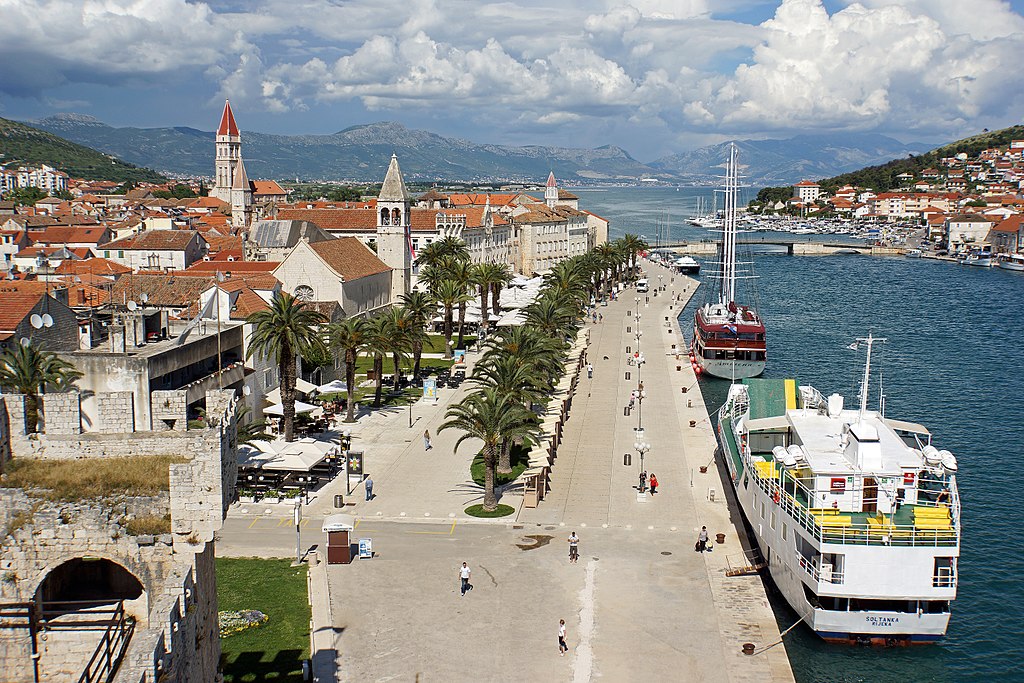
687 265
728 337
981 258
1011 262
856 515
915 253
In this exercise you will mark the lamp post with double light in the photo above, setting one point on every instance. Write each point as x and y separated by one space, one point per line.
641 446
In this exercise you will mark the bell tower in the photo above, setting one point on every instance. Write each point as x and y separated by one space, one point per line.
551 191
229 155
394 243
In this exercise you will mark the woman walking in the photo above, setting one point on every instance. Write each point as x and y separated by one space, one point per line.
426 440
654 484
562 647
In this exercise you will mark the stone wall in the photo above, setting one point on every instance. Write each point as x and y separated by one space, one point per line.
116 412
176 638
62 413
170 410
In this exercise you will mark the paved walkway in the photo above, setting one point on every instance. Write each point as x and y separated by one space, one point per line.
634 612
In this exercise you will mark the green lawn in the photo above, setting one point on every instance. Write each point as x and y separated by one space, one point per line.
520 459
274 651
366 363
435 342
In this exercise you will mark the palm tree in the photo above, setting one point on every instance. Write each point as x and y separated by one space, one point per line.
484 276
422 308
606 256
500 281
461 272
530 346
379 343
284 331
249 430
551 315
491 417
450 294
28 370
514 378
454 248
402 326
349 338
634 244
430 255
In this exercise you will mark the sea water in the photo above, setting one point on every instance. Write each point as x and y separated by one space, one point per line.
953 362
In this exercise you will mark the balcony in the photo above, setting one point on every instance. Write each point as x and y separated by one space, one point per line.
230 374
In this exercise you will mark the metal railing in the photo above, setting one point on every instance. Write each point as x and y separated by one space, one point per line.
815 573
113 643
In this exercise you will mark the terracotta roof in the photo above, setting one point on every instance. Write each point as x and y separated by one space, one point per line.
263 187
806 183
224 243
69 235
333 219
96 266
246 303
81 294
1009 224
431 195
480 199
227 121
209 267
156 240
208 203
162 290
17 306
349 257
541 213
551 180
25 287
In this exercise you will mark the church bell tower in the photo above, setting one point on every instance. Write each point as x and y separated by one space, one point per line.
393 224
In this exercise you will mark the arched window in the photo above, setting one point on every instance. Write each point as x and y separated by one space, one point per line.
304 293
396 216
385 217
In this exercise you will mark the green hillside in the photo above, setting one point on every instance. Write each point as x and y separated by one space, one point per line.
882 178
21 144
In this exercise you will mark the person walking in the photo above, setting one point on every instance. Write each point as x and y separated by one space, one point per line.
426 440
464 574
590 371
369 487
653 484
562 647
574 548
702 540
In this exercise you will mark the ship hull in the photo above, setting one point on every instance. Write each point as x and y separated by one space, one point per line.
729 369
795 579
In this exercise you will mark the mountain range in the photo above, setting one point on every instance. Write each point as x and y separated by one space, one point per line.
361 153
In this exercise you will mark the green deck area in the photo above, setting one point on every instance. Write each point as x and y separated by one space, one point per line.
767 397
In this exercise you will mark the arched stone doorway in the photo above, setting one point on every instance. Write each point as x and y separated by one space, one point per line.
82 581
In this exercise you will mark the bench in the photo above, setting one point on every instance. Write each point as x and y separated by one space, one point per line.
824 511
931 513
834 520
932 524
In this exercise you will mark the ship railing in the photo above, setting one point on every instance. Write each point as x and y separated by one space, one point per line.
848 532
815 573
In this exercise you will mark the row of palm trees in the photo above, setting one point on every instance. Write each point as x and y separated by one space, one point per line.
521 365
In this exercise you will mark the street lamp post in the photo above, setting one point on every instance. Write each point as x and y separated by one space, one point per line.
641 447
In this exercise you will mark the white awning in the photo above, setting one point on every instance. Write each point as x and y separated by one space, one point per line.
766 423
333 387
300 408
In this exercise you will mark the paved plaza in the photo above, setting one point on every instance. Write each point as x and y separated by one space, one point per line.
640 604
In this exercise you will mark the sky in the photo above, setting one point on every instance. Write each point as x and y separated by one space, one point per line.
651 76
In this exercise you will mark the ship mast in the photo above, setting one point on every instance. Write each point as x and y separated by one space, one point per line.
728 293
869 340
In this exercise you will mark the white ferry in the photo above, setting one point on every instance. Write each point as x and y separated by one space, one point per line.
856 515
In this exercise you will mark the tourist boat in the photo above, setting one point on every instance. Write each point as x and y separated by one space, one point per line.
981 258
1011 262
856 515
915 253
687 265
728 337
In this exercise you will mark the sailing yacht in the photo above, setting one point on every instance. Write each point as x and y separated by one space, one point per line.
728 336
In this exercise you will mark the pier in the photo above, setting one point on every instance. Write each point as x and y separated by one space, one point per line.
792 247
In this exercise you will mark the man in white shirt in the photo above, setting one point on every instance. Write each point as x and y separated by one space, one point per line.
574 549
464 573
590 371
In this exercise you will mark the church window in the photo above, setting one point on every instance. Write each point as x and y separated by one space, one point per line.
304 293
385 217
396 216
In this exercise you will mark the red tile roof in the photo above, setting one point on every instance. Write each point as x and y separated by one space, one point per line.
264 187
68 235
227 121
156 240
17 306
95 266
209 267
349 257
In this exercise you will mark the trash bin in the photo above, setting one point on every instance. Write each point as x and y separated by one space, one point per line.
627 459
339 501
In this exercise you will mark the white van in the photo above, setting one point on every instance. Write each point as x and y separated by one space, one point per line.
642 286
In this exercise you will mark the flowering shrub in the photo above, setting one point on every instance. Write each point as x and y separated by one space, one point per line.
240 620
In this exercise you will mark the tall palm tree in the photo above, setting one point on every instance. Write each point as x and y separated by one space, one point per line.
348 337
484 276
634 245
430 254
284 331
552 315
454 248
450 294
491 417
514 378
500 281
402 326
461 272
379 343
422 308
530 346
28 370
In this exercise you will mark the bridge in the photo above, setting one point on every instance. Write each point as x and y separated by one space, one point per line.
793 247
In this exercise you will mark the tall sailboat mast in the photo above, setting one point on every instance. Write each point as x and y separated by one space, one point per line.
728 292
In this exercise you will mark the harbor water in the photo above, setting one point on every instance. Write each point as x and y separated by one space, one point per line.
952 363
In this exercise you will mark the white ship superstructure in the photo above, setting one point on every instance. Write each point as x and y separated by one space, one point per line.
857 515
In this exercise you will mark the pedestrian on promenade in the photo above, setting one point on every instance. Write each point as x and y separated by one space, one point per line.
426 440
600 317
562 647
654 484
702 540
643 482
590 371
369 487
464 573
574 548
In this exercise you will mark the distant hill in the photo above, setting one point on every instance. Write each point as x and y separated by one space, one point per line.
361 153
358 153
882 177
31 146
784 162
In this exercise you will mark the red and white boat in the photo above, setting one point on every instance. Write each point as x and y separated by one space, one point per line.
728 337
